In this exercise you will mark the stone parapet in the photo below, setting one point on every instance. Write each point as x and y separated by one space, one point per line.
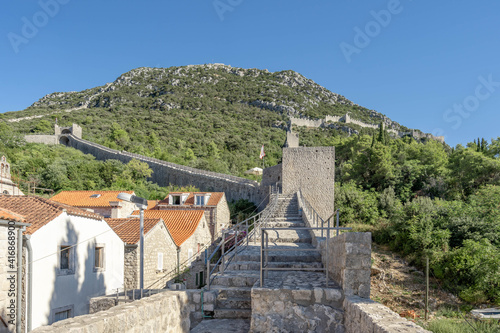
168 311
350 262
297 302
364 315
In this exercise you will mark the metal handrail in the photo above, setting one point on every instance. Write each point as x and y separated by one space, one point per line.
313 214
250 227
264 252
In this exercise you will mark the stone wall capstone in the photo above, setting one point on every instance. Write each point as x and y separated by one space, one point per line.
364 315
168 311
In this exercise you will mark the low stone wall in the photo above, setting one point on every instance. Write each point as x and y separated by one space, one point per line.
168 311
301 305
350 262
364 315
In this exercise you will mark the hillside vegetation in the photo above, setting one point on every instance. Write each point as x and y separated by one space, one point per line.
211 117
422 198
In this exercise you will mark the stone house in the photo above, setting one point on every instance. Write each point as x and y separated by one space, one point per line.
160 251
187 233
72 258
104 203
214 204
7 186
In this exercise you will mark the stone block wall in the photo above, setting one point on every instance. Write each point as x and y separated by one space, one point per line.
166 173
45 139
299 310
350 262
169 311
312 170
364 315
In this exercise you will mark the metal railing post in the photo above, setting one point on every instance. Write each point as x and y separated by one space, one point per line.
327 257
223 251
246 226
207 261
329 228
338 212
267 254
261 261
236 244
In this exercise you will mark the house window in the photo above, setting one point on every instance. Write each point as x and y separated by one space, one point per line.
176 200
99 257
200 200
160 261
200 282
66 260
62 313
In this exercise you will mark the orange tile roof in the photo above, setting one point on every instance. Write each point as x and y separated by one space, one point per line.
152 203
212 201
83 198
11 216
180 223
129 229
40 211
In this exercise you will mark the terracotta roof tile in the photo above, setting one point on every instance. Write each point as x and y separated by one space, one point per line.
212 201
11 216
180 223
129 229
40 211
152 204
85 199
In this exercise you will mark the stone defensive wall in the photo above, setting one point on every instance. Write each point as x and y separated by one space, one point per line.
44 139
303 121
311 170
168 311
166 173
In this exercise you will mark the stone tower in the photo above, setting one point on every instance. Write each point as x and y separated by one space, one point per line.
7 186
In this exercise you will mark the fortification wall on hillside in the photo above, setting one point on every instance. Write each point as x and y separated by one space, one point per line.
165 173
348 120
45 139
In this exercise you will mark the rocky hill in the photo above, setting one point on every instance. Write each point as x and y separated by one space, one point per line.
194 114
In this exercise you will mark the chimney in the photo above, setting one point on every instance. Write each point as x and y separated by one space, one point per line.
115 209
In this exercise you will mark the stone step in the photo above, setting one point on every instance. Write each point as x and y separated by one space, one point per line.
252 253
284 224
222 326
254 265
289 236
236 278
232 292
294 217
232 313
234 303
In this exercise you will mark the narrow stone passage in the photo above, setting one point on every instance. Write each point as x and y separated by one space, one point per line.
233 308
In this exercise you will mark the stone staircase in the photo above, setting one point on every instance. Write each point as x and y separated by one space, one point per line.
234 285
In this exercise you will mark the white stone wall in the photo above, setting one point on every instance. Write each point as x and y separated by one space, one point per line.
53 289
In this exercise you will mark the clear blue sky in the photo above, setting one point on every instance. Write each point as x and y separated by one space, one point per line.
414 64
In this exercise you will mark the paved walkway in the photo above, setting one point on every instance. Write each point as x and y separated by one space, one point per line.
222 326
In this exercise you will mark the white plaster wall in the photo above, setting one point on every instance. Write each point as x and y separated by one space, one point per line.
51 290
